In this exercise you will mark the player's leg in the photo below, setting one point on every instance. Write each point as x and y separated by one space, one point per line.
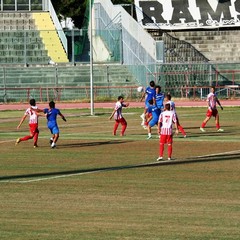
35 138
219 129
124 126
169 142
115 127
55 132
180 128
162 141
209 114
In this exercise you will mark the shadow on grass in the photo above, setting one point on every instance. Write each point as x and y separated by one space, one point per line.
209 158
91 144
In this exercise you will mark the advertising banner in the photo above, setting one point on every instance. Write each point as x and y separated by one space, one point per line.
187 14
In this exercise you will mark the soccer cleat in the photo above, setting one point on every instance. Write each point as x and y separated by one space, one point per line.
220 130
159 159
185 136
149 137
50 141
53 145
202 129
169 159
17 141
35 145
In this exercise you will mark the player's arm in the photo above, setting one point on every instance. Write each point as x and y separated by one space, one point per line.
143 95
62 116
22 120
112 114
125 104
218 102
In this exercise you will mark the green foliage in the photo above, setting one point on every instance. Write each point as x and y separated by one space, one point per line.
76 9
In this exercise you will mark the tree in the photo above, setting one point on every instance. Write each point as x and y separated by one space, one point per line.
75 9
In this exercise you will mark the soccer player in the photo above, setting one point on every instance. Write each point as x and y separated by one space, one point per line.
149 94
51 113
118 117
173 108
33 124
153 111
166 119
212 110
159 98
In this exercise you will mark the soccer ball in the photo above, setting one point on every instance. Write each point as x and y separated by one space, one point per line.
140 89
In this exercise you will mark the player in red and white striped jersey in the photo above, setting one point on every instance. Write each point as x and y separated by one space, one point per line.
165 122
33 124
173 108
118 117
212 110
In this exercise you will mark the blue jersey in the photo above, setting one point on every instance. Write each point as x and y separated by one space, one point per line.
155 111
52 119
159 100
150 94
52 114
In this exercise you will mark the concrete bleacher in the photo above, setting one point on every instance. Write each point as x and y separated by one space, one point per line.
217 45
29 38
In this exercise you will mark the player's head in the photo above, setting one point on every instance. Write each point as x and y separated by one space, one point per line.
169 97
158 89
32 102
167 106
120 98
212 89
52 104
150 102
152 84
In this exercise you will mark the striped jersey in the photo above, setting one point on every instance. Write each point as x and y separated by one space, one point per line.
212 100
118 108
167 118
33 117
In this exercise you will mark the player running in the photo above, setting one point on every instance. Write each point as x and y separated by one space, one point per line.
51 113
166 119
173 108
33 124
212 110
118 117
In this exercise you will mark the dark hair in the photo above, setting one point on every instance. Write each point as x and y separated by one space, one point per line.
152 84
32 102
52 104
150 101
158 87
167 106
120 97
169 96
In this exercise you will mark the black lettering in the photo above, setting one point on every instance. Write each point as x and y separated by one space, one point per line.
205 8
147 13
181 11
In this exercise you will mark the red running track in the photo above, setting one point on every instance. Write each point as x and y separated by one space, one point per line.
179 103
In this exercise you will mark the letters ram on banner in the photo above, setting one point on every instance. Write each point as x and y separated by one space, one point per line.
188 14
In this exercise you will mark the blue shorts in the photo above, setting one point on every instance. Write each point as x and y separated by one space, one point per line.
153 122
53 128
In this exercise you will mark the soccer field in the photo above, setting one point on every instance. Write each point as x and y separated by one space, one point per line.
98 186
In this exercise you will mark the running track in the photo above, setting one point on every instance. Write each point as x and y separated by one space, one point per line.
179 103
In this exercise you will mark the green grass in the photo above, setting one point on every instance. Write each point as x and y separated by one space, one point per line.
97 186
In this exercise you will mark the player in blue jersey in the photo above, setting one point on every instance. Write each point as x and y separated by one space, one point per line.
154 112
149 94
159 98
51 114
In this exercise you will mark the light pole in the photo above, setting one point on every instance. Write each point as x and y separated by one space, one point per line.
91 59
